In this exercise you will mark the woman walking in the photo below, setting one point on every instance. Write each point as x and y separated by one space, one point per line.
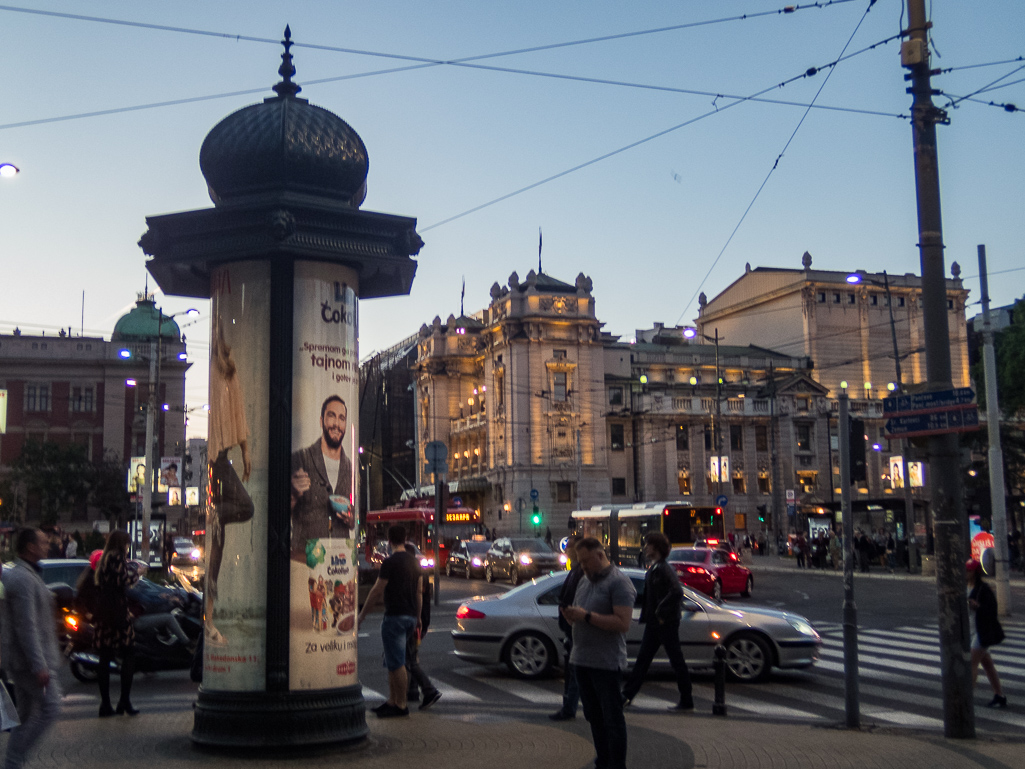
988 632
663 599
114 629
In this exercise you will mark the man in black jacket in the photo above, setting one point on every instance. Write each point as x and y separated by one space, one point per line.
570 690
660 615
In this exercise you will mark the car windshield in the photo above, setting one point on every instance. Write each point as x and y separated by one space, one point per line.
687 556
473 547
531 546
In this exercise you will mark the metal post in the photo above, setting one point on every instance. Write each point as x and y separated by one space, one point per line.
997 492
717 432
909 499
147 492
945 487
439 512
719 666
850 609
777 508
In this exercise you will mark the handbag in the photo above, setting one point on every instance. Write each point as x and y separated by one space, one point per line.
8 713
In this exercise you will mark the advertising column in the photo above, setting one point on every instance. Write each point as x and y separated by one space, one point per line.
236 586
322 623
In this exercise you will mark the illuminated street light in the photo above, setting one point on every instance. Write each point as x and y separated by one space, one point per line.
7 170
690 332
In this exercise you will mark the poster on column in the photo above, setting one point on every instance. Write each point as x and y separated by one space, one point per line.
235 597
325 377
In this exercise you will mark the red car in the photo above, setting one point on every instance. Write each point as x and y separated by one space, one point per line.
711 570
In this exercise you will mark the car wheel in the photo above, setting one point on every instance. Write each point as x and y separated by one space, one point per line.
87 675
448 568
748 586
489 573
514 575
748 658
530 655
717 590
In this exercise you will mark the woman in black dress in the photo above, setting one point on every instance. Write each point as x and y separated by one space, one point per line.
988 632
114 628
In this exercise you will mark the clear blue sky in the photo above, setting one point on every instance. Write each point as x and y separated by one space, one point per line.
646 224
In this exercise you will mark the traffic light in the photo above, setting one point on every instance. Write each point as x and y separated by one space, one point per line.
762 511
536 517
718 514
856 454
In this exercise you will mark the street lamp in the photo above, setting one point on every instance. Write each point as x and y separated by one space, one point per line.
8 170
691 333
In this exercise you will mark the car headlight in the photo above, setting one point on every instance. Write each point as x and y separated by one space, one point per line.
525 559
802 627
477 562
195 554
563 559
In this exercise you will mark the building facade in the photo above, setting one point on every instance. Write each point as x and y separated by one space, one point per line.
92 392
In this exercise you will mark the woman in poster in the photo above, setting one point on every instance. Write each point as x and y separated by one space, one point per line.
231 502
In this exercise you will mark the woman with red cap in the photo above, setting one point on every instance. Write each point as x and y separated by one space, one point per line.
988 632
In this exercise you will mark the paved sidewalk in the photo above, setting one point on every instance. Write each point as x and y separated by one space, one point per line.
460 738
781 564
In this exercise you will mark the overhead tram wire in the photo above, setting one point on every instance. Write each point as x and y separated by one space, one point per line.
812 71
955 100
832 68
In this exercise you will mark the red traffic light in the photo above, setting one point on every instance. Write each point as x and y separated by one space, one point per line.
718 511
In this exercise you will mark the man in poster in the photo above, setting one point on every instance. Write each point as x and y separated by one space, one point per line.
322 483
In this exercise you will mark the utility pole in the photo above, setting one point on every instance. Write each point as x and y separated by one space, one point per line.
717 432
997 493
852 706
147 491
777 507
945 486
905 445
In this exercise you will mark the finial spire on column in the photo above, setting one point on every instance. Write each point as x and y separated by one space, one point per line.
286 87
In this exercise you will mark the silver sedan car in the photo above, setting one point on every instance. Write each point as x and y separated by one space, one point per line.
521 629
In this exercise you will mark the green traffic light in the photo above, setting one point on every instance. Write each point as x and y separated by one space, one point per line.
537 519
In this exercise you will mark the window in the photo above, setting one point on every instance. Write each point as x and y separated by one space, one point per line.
682 442
739 487
851 299
836 299
821 297
500 386
564 491
950 304
761 438
803 437
900 301
619 487
806 481
708 438
559 354
615 396
874 299
559 386
764 485
37 397
616 441
81 399
736 437
683 479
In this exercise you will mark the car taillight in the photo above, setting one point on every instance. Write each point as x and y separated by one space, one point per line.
733 556
465 612
71 622
695 570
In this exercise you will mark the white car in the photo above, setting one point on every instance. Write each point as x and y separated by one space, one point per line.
521 629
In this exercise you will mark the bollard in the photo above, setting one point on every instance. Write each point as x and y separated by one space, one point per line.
719 706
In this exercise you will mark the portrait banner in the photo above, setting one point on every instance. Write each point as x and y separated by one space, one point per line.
324 476
234 653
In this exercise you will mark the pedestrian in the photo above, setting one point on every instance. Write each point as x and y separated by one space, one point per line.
419 682
600 616
891 551
570 688
31 654
800 550
114 628
983 602
71 549
863 546
660 615
548 536
399 587
835 550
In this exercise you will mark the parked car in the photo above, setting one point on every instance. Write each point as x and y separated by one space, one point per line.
467 559
713 571
519 557
520 629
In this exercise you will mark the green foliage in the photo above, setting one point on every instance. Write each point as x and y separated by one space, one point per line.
1009 345
58 474
108 491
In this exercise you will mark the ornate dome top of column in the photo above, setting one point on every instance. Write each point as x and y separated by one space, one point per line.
284 144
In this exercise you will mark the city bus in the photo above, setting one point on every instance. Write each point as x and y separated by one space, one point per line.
680 521
417 515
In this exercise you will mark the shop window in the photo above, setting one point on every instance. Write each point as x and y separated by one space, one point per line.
736 437
619 487
683 479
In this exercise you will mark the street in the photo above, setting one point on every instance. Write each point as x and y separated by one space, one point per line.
898 653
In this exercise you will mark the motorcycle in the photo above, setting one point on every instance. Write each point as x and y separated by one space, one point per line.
156 648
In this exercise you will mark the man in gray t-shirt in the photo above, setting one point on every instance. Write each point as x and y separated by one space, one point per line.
600 616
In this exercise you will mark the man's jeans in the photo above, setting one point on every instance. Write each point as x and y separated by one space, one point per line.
38 708
603 709
570 687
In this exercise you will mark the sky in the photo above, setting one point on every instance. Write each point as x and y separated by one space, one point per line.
641 166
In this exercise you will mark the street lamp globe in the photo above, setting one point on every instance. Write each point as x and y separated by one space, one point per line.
8 170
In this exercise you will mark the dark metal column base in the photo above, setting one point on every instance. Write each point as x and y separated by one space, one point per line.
268 719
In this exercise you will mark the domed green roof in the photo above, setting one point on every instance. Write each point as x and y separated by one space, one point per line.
142 323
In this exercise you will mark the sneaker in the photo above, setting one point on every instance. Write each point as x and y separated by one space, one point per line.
390 711
430 699
562 715
998 701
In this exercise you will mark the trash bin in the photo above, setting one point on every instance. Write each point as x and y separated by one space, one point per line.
928 565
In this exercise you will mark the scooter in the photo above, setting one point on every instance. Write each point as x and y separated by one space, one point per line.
155 649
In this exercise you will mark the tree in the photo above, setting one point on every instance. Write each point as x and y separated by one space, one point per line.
58 475
1009 345
108 490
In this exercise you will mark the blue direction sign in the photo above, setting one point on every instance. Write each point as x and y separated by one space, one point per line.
941 400
721 500
914 425
534 495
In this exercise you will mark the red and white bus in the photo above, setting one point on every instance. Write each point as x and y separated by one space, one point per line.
417 515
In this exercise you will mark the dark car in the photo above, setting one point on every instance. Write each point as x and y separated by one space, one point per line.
467 559
521 557
713 571
184 552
